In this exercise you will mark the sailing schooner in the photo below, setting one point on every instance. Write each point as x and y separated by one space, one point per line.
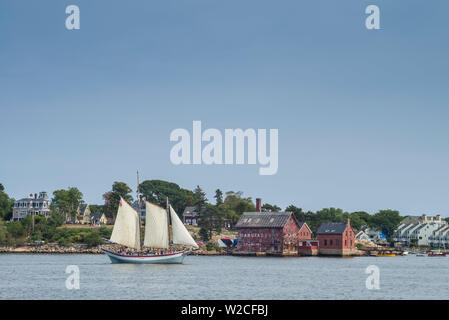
127 232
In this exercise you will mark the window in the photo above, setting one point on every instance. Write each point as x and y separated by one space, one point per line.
325 242
331 242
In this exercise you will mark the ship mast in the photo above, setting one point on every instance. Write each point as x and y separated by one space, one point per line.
138 211
168 223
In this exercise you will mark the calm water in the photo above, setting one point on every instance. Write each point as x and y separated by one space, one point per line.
224 277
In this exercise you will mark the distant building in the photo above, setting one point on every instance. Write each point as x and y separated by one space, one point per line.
34 205
440 237
375 235
270 232
82 215
190 216
98 219
336 238
422 230
361 235
308 247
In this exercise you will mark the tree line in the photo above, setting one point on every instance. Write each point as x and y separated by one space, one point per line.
212 215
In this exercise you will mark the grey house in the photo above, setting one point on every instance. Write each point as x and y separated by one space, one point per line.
190 216
35 205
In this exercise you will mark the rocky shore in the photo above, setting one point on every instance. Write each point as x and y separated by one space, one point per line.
51 248
54 248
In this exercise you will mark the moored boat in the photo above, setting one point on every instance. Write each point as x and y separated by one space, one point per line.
436 253
385 253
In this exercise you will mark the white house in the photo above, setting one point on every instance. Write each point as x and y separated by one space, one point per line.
361 235
440 237
421 228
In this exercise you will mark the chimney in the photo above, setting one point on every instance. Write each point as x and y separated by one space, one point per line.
35 196
258 204
31 196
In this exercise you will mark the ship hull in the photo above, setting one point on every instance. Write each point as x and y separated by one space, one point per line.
171 258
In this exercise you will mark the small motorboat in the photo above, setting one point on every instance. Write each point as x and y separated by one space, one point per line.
385 254
436 253
420 254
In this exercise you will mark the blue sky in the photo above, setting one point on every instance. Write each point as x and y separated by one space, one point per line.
362 114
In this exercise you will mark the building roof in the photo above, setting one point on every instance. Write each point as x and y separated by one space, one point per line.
263 220
190 211
332 228
83 207
96 215
420 227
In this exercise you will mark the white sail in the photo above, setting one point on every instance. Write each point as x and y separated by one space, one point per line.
156 226
126 226
180 233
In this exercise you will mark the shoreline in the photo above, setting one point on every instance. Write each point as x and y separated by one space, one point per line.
77 249
83 249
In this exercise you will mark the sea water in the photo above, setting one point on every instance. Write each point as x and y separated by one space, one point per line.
43 276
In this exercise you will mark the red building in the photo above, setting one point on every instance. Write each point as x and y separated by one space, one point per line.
272 232
190 216
308 247
336 238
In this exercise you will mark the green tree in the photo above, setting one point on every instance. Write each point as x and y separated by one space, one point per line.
359 219
27 224
56 219
157 191
299 214
218 197
210 218
386 221
270 208
199 198
235 204
96 208
3 234
204 234
16 229
112 198
93 238
6 204
67 202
